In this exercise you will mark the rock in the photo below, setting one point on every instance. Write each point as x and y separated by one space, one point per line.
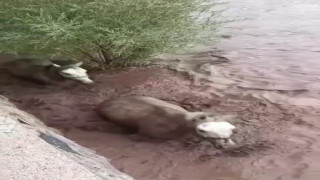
30 151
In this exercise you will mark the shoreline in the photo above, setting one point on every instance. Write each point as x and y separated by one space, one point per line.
70 108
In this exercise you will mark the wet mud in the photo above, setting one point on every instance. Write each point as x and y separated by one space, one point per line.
273 55
262 126
267 72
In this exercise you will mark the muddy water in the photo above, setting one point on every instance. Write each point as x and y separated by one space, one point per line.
271 82
274 55
274 52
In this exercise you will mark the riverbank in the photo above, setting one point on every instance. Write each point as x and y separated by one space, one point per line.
30 150
263 126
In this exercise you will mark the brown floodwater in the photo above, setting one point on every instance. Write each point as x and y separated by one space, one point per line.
274 55
274 52
271 82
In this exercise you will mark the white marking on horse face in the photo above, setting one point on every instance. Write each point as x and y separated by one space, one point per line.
215 129
76 73
56 65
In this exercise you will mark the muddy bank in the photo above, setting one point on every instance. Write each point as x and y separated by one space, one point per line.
274 59
264 127
30 150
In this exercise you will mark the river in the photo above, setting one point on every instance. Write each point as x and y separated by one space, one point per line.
274 53
271 81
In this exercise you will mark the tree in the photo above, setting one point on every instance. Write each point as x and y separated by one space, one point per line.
104 31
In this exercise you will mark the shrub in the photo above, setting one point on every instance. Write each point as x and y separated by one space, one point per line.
104 31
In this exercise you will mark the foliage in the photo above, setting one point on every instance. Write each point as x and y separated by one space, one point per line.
104 31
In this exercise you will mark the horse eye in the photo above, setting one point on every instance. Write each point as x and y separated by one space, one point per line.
203 131
202 117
